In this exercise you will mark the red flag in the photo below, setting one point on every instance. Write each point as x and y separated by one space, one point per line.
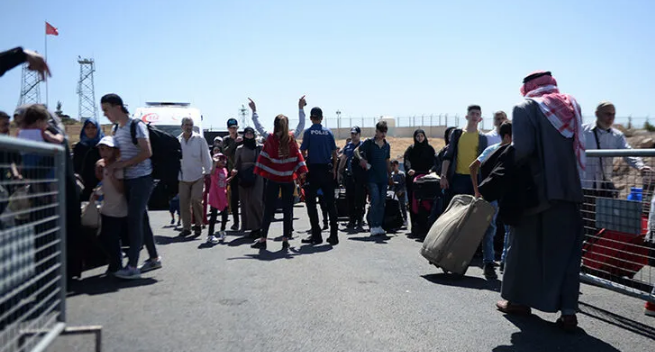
49 29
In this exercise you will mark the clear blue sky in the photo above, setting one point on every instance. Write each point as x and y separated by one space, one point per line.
365 58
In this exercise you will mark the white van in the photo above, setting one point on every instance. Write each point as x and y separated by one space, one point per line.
168 116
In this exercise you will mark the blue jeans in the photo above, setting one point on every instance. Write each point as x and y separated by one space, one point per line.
137 191
378 193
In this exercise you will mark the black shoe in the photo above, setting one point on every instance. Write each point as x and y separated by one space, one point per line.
333 240
235 227
325 226
255 234
490 271
285 245
185 233
502 267
312 240
351 225
259 245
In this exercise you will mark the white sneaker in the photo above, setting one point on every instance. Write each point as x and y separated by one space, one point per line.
222 236
212 239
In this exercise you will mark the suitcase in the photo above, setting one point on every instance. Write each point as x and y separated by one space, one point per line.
454 237
393 219
341 203
617 253
427 187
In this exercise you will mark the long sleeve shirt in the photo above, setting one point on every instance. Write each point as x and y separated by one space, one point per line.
296 133
608 139
11 58
196 160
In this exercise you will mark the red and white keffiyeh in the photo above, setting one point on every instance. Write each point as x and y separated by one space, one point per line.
562 110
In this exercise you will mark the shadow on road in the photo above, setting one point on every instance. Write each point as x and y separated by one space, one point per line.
101 284
463 281
538 335
164 240
617 320
267 255
376 239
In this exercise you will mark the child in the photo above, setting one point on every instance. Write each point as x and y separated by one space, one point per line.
174 206
34 126
218 197
114 205
400 188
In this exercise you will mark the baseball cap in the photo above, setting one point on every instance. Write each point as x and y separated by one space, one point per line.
316 112
232 122
356 130
218 138
109 141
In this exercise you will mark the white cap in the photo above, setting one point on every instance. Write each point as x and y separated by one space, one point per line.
108 141
218 138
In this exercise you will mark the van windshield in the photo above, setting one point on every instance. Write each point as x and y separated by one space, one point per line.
174 130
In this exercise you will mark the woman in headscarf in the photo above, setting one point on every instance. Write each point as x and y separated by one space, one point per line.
85 156
418 160
250 191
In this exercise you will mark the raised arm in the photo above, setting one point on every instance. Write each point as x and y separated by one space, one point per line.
301 118
255 119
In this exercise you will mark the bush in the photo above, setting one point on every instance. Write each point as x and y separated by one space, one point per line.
648 127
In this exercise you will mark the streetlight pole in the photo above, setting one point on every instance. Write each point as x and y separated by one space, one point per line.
338 124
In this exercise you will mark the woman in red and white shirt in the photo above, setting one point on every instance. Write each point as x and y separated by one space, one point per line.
281 163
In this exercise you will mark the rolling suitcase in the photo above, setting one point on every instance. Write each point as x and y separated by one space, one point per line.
341 203
393 219
454 237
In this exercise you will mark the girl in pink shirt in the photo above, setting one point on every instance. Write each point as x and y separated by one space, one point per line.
218 197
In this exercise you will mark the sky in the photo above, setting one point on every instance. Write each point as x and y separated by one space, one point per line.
364 58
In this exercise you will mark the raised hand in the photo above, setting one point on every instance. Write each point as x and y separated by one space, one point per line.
252 105
37 63
302 103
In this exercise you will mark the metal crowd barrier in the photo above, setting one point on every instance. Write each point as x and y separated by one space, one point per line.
619 247
32 244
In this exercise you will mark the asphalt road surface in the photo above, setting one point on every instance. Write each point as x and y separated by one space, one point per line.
361 295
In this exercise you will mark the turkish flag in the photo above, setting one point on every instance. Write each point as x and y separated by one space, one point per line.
49 29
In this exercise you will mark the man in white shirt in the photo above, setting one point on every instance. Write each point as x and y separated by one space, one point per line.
601 135
196 165
493 136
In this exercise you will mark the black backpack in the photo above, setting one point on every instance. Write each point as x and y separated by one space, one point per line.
166 154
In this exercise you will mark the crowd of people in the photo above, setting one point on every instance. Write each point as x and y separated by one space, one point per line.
251 180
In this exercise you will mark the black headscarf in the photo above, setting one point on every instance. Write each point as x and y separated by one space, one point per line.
250 143
447 134
419 156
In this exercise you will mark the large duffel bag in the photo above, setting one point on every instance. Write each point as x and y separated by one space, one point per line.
454 237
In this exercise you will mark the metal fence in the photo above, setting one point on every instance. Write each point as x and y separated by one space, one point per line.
32 244
619 219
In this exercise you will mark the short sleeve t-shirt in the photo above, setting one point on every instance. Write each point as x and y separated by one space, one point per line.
129 150
467 152
114 203
376 156
320 144
487 152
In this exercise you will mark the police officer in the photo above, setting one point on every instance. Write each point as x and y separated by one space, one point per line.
320 150
355 177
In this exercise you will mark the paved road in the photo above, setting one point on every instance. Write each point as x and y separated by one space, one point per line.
362 295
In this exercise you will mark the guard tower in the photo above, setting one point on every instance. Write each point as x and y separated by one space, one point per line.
85 90
30 93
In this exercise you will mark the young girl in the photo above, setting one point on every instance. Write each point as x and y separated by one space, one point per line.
114 205
34 126
218 197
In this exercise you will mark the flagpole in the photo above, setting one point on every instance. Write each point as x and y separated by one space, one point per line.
46 60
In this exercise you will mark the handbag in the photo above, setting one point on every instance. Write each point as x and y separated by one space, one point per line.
91 214
607 187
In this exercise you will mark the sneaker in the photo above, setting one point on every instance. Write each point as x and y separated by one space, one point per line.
212 239
221 236
649 309
490 271
128 273
185 233
150 265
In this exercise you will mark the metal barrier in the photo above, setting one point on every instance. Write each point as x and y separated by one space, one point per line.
619 247
32 244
